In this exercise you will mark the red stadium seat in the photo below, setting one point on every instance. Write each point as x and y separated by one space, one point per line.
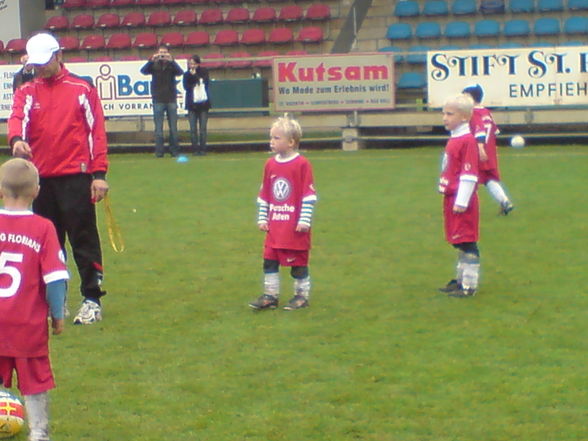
185 17
173 39
252 36
108 21
226 37
148 2
133 20
16 46
237 15
281 36
1 46
100 58
197 38
318 12
94 4
159 18
267 62
93 42
291 13
82 21
265 14
69 43
310 34
120 40
236 63
172 2
213 60
74 4
121 3
57 23
211 17
145 39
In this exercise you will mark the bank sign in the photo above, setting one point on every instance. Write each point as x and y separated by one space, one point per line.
124 91
529 77
333 82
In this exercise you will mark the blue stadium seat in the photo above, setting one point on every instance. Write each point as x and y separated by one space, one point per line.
577 5
546 26
464 7
550 6
399 31
457 29
487 28
492 7
435 8
427 30
412 80
406 8
398 56
417 54
522 6
576 26
516 28
573 43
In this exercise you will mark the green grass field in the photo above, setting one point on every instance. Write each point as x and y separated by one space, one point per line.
380 355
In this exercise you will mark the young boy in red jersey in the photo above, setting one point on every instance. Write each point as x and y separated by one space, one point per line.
484 129
285 207
458 183
33 276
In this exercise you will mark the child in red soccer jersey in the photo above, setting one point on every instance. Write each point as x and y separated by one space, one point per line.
285 207
484 129
33 275
458 183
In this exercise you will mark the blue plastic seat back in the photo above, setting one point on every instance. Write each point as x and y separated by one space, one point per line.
546 26
487 28
576 25
399 31
464 7
522 6
457 29
417 54
412 80
577 5
516 28
428 29
398 57
406 8
435 7
550 5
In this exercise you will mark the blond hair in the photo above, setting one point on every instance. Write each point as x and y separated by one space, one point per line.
463 103
19 178
290 127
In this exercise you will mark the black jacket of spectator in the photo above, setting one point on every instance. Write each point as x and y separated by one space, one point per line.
163 79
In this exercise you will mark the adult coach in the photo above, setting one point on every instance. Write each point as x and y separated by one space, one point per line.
57 123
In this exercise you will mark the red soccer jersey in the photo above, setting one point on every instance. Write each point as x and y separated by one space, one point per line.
482 125
286 185
30 257
460 161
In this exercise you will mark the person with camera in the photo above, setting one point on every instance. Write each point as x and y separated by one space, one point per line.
164 70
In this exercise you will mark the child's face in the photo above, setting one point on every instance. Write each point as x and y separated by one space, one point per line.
453 117
279 142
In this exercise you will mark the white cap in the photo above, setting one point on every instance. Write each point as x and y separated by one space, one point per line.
41 47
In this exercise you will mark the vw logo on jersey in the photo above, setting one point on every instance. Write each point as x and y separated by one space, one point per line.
281 189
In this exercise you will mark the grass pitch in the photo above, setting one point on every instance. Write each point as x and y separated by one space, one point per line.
379 355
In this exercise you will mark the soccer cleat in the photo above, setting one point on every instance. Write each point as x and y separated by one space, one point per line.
452 286
505 208
463 293
264 301
297 302
90 312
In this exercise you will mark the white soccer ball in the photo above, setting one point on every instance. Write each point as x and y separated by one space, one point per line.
517 142
12 414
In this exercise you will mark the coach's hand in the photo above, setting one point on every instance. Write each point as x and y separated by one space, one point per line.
459 209
99 189
58 326
22 149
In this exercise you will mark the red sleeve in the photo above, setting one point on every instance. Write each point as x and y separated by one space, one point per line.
98 155
469 165
308 192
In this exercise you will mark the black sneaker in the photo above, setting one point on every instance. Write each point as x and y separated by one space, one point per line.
297 302
505 208
463 293
264 301
452 286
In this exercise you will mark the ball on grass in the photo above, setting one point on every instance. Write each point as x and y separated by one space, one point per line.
517 141
12 415
182 158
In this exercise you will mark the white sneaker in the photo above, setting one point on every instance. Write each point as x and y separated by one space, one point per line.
89 313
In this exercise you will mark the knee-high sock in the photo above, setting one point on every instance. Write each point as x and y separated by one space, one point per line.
302 287
271 284
496 191
37 407
471 271
459 266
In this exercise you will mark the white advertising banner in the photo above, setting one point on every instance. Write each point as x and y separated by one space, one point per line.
334 82
124 91
529 77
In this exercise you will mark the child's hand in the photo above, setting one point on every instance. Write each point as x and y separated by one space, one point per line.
263 226
58 326
302 228
459 209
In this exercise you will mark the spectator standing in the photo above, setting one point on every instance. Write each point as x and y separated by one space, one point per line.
57 123
196 84
24 75
164 70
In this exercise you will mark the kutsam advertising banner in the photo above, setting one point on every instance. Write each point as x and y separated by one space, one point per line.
333 82
124 91
529 77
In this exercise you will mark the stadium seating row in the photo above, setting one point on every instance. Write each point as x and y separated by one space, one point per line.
93 4
411 8
225 37
544 26
189 17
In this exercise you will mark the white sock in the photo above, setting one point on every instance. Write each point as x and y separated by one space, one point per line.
271 284
471 271
497 192
302 287
459 267
37 407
